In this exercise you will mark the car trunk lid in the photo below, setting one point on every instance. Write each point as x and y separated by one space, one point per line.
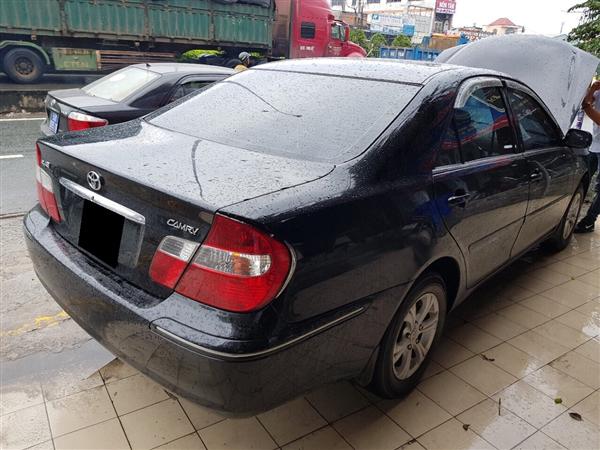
153 183
64 101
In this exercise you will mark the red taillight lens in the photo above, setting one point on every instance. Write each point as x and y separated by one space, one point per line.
171 259
79 121
237 267
45 188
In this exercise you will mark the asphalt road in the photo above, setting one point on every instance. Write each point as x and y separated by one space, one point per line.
17 164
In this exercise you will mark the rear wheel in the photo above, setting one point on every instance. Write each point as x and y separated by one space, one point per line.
562 236
23 65
407 344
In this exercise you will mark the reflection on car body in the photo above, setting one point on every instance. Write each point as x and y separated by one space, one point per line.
325 248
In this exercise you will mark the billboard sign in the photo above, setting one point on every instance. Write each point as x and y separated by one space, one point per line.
445 6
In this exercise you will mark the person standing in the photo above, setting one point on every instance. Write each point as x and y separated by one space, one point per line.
591 106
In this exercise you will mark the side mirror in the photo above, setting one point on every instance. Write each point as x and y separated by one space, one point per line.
578 138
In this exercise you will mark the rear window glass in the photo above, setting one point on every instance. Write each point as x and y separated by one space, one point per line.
121 84
290 114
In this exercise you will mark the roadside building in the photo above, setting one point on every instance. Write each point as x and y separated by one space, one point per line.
502 26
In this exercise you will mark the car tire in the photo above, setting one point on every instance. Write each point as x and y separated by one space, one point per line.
563 234
23 65
403 356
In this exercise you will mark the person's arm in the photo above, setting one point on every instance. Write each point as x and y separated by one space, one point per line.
588 103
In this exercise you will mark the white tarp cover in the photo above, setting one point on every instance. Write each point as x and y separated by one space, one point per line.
557 71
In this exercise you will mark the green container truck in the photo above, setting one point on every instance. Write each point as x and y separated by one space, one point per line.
38 36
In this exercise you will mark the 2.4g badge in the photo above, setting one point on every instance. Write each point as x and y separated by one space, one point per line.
182 226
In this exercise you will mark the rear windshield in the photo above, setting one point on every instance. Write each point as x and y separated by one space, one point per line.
121 84
301 115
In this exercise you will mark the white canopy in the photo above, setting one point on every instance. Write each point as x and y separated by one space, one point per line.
557 71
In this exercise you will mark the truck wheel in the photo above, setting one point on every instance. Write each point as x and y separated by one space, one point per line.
23 65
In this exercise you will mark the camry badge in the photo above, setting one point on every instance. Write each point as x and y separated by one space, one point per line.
94 180
182 226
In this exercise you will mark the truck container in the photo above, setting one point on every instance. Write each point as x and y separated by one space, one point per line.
38 36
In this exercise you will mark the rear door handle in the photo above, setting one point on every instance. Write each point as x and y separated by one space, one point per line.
459 198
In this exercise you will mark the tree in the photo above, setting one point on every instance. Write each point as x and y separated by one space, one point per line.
401 41
377 41
587 34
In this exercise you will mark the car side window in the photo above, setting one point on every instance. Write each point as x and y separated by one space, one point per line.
482 125
538 130
449 152
187 88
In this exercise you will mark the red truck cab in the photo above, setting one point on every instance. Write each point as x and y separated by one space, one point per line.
308 29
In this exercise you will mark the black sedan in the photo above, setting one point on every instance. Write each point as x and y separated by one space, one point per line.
124 95
300 222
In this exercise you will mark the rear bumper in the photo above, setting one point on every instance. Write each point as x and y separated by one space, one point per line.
202 367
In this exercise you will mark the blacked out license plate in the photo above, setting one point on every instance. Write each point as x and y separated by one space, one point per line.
101 232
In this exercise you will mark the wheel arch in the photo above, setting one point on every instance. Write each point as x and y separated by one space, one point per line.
449 269
5 46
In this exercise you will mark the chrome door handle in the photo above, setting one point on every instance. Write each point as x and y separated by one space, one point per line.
460 199
534 176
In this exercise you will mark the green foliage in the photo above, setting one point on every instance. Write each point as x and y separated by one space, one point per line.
371 46
586 35
359 37
401 41
377 41
192 55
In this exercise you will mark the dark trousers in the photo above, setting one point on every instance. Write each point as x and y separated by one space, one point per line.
594 210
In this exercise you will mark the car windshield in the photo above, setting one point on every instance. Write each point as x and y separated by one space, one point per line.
121 84
307 116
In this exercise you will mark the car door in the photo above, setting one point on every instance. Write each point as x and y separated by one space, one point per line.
482 197
550 164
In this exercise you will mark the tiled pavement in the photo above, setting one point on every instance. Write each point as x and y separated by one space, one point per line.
518 358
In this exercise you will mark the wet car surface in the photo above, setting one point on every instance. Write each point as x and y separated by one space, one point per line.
358 236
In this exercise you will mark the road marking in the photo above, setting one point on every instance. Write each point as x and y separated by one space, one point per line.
11 156
37 324
22 118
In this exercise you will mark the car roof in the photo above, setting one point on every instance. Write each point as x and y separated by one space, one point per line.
392 70
183 68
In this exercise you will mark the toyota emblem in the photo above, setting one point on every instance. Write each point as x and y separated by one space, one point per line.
94 180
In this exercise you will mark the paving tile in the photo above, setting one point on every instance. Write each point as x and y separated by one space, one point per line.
189 442
156 425
576 435
589 408
539 441
116 370
69 384
504 430
580 368
79 410
483 375
291 421
237 434
371 429
448 353
452 435
432 369
582 260
515 292
567 269
325 438
592 279
529 404
416 413
102 436
48 445
545 306
565 295
538 346
199 416
590 349
369 394
20 396
135 392
512 360
24 428
588 324
591 308
411 445
561 334
549 276
533 284
450 392
499 326
473 338
557 384
523 316
337 400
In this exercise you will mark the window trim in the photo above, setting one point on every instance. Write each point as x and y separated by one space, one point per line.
471 85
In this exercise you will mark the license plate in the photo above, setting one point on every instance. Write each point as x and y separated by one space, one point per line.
101 232
53 125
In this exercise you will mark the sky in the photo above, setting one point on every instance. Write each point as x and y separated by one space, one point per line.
538 16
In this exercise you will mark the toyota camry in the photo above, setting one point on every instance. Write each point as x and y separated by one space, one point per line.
301 222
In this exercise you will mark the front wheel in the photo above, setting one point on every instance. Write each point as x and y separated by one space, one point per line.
407 344
562 236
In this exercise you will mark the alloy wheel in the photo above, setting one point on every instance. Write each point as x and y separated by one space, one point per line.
572 215
416 335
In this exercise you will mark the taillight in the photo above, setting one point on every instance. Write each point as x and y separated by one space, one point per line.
79 121
171 259
237 268
45 188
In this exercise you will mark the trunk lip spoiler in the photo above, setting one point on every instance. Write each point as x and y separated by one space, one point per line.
107 203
